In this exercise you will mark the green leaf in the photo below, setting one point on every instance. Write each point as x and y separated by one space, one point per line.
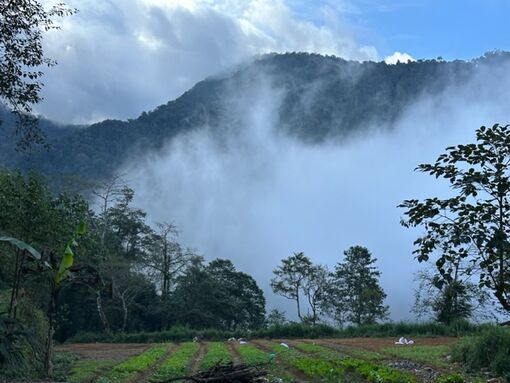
81 228
65 264
21 245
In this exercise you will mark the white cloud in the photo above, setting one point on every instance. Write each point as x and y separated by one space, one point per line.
120 57
398 57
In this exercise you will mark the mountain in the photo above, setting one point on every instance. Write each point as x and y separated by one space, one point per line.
323 98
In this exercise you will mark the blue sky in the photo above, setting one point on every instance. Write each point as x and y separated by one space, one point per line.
453 29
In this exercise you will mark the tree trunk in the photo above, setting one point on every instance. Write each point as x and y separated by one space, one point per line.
124 312
48 352
100 311
298 305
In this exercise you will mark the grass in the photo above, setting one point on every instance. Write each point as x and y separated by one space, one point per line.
431 355
132 366
252 355
86 370
177 364
217 352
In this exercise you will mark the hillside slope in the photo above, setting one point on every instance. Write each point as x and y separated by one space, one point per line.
323 98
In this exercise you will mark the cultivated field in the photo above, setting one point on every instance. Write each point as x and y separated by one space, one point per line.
376 360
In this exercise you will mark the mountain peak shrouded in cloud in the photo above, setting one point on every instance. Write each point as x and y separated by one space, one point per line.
119 57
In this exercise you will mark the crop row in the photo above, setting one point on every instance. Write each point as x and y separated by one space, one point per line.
217 352
177 364
132 366
254 356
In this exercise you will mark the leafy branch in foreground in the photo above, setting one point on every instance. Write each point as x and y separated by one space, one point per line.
472 226
22 25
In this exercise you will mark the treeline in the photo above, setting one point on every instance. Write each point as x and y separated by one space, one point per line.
291 330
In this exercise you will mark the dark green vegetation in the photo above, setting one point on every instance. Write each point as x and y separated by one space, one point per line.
491 350
347 97
350 294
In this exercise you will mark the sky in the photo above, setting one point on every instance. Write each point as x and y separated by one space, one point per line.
118 58
262 196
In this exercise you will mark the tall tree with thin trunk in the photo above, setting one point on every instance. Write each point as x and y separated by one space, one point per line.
290 278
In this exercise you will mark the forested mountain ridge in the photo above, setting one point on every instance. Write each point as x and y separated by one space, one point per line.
323 98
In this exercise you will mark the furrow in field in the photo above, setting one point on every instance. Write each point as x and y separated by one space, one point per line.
234 354
197 359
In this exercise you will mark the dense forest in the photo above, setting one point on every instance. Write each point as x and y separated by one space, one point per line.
324 98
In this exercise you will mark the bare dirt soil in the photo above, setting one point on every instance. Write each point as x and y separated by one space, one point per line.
376 344
104 351
195 362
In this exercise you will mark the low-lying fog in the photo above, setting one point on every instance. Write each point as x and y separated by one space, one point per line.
256 196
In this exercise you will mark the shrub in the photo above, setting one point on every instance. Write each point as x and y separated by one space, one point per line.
489 350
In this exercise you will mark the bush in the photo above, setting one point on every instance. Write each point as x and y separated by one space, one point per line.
489 350
289 330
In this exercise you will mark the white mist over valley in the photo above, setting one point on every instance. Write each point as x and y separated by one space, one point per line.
250 193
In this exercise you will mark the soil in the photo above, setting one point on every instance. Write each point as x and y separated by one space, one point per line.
104 351
234 354
376 344
195 362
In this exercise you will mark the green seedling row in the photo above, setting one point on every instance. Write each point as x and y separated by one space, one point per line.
132 366
86 370
252 355
217 352
177 364
328 367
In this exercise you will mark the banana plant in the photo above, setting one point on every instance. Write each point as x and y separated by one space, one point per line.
59 272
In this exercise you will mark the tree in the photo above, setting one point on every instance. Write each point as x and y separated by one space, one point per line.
165 259
315 289
355 288
473 225
290 277
22 24
450 300
218 296
276 318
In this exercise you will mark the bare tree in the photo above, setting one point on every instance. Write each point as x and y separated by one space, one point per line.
165 258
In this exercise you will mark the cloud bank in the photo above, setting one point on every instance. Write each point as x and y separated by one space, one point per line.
117 58
256 196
